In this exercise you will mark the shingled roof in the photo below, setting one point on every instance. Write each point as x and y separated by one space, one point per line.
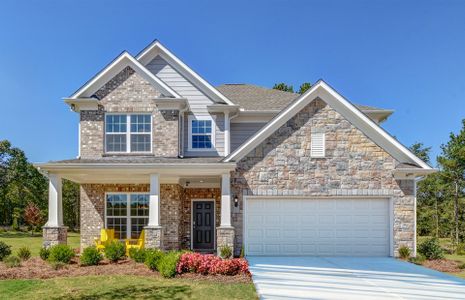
256 98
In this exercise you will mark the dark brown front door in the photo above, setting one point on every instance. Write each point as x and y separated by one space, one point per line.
203 227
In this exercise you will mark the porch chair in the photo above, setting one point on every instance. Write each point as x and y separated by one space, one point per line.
106 236
135 243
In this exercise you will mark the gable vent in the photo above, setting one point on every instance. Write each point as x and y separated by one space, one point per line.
317 146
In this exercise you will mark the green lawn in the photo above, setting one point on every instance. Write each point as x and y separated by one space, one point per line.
123 287
18 239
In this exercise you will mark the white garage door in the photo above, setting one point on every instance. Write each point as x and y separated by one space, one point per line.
320 227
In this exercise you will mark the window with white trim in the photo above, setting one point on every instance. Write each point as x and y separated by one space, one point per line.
128 133
127 214
201 133
317 144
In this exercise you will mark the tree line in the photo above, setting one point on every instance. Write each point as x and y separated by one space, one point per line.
24 192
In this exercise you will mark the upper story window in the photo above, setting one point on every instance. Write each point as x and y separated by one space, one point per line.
128 133
201 133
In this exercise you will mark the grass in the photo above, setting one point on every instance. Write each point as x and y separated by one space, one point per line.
123 287
18 239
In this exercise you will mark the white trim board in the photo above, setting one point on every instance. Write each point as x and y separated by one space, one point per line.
157 49
323 91
123 60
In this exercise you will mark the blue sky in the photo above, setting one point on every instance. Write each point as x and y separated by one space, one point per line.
404 55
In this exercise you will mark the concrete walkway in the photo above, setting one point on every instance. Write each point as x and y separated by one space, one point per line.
350 278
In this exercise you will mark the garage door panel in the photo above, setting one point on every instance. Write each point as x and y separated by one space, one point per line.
324 227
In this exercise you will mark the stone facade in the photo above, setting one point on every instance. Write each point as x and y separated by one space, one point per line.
225 237
354 166
128 92
54 235
153 237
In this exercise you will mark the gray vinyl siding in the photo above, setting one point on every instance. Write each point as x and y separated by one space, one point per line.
219 138
240 132
198 101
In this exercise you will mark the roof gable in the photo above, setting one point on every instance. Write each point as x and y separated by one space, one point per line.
346 109
117 65
157 49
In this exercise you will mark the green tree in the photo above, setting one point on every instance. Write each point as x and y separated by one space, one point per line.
421 151
283 87
70 204
304 87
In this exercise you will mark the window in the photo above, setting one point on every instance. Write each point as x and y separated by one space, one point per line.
317 146
128 214
128 133
201 133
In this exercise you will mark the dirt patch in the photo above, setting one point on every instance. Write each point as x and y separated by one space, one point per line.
36 268
443 265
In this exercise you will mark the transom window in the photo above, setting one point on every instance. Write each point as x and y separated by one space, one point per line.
128 133
201 133
127 214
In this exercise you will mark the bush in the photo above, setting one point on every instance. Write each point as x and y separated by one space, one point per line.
90 256
12 261
462 266
57 265
460 250
24 253
44 253
225 252
404 252
431 249
152 257
418 260
5 250
167 264
115 251
61 253
137 255
210 264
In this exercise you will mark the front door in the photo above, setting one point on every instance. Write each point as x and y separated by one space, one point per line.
202 225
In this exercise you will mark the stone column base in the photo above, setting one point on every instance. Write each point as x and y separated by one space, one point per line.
153 237
224 237
54 236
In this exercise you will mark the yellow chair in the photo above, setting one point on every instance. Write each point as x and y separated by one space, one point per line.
106 236
135 243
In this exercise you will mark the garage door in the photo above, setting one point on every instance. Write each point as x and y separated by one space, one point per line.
320 227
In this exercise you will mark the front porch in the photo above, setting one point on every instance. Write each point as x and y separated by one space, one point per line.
186 209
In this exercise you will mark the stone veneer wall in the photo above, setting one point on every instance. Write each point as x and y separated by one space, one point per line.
128 92
354 165
197 193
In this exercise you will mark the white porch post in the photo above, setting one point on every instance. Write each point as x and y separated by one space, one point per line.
225 200
154 203
55 204
227 135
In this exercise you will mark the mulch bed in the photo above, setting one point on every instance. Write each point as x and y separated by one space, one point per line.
443 265
36 268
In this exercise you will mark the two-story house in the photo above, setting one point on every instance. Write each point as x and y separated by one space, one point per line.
199 167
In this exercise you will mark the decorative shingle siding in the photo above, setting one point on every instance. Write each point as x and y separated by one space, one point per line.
128 92
353 166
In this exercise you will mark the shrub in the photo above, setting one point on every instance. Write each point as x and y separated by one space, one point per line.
210 264
431 249
460 250
61 253
90 256
12 261
404 252
137 255
24 253
44 253
418 260
225 252
462 266
115 251
167 264
229 267
152 257
5 250
57 265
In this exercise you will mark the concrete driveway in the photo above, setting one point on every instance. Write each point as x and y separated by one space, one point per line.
350 278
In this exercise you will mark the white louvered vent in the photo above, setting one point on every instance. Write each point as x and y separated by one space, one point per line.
317 146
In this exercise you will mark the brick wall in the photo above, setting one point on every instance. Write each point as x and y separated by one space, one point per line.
354 165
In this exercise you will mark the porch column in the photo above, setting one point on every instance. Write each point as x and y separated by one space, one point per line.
225 233
153 230
54 232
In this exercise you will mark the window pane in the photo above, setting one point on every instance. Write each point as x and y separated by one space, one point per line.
119 225
140 143
116 142
139 205
201 134
117 205
115 123
140 123
201 142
